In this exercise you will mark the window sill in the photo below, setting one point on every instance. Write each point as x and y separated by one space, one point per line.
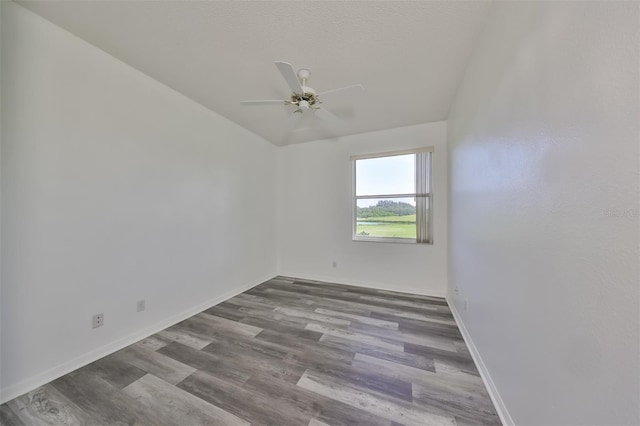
388 240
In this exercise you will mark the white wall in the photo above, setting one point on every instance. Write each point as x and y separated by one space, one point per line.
315 213
543 150
115 188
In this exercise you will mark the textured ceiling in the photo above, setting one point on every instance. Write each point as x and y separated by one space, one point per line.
410 56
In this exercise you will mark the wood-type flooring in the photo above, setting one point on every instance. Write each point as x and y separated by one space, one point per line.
286 352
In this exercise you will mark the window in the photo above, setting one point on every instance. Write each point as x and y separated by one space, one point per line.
392 197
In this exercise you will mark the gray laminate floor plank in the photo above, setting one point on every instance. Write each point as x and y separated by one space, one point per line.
250 406
369 291
403 336
315 422
443 309
286 352
284 328
445 365
365 377
284 298
369 306
219 323
342 293
253 300
295 318
177 406
356 337
226 311
443 382
155 363
234 361
446 335
337 413
205 361
307 301
115 371
46 405
8 417
313 316
408 324
332 411
471 407
153 342
310 347
286 395
381 405
404 358
460 359
287 296
354 319
104 404
253 363
186 337
237 344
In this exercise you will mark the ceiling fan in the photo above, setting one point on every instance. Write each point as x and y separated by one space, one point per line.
303 97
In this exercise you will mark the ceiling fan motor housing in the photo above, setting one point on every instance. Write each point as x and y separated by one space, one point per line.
308 99
309 96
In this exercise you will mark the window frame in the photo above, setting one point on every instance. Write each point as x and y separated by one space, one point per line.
428 195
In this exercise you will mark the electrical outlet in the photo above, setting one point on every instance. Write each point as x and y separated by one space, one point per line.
98 320
141 305
335 264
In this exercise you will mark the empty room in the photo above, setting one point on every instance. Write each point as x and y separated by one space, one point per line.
319 213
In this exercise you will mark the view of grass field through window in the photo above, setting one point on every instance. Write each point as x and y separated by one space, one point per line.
390 218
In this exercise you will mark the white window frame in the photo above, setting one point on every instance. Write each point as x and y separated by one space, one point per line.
423 190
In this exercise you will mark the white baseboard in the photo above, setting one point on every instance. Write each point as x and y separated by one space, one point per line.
360 283
45 377
501 408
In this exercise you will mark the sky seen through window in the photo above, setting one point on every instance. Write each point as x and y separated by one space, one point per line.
385 175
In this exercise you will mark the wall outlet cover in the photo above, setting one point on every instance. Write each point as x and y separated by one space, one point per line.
97 321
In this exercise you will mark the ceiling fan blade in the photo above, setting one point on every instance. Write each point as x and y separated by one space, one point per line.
274 102
325 115
344 93
289 75
297 121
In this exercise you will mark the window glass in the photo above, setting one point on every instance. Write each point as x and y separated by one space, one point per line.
386 175
392 197
390 217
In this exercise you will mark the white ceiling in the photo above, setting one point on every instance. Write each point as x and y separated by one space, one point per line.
410 56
